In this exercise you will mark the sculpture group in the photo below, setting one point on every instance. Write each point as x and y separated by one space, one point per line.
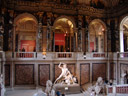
65 77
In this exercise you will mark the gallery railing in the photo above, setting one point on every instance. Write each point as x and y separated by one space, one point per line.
98 54
123 54
64 55
67 55
118 89
24 54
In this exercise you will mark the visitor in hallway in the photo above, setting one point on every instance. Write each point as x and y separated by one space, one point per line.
63 94
58 93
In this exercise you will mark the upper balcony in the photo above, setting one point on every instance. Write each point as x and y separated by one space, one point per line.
50 56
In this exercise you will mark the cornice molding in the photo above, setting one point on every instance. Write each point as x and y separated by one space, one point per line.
67 9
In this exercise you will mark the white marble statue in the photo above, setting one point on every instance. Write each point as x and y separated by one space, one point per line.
40 93
123 74
68 77
49 89
2 85
96 89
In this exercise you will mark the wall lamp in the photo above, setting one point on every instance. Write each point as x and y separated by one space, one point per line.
84 55
44 55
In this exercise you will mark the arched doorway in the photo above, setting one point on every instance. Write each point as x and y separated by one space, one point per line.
25 32
64 35
124 35
97 36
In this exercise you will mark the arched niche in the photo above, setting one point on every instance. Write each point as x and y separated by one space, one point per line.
124 34
64 34
25 32
97 36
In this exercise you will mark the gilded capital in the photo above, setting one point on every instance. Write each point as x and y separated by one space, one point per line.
80 17
11 12
40 14
49 14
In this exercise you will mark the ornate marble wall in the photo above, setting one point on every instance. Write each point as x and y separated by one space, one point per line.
98 70
7 75
44 73
84 73
112 71
24 74
36 74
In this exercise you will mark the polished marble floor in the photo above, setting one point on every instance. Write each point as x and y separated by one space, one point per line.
29 93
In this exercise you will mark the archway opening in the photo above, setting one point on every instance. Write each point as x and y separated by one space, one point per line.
26 28
97 36
124 35
64 35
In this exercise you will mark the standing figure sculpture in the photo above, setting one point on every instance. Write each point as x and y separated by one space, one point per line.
65 74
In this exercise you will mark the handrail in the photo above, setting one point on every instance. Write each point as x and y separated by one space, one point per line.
64 55
24 54
119 89
123 54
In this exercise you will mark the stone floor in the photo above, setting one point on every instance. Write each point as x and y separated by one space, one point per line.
29 93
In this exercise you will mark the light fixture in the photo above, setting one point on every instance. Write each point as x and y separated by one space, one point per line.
84 55
44 55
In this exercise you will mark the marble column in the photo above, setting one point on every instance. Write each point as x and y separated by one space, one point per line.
49 30
53 40
1 35
117 34
121 41
108 37
39 33
79 37
74 40
1 29
14 37
10 31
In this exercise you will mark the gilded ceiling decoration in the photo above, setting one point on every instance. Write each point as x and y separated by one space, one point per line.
93 3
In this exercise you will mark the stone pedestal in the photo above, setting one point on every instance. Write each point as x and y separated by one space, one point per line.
68 89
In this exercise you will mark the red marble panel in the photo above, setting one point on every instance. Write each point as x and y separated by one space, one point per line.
71 68
84 73
44 74
57 71
24 74
7 75
99 70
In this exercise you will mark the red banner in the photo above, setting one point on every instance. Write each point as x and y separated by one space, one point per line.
28 45
59 39
91 46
